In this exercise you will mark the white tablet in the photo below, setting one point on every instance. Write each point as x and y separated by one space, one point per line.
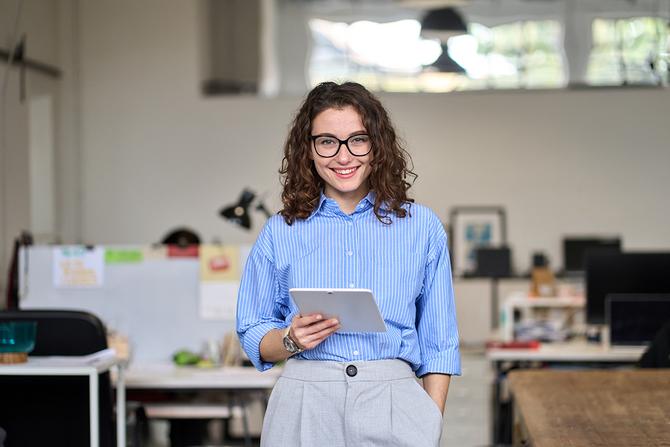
356 309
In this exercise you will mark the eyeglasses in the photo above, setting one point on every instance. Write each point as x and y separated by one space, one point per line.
328 146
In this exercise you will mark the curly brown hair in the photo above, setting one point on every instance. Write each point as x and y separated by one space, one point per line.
391 164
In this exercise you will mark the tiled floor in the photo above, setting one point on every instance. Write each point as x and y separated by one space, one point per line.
467 418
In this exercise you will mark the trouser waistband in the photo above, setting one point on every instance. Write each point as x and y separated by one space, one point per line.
328 371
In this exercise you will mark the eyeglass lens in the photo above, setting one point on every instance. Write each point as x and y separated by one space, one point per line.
327 146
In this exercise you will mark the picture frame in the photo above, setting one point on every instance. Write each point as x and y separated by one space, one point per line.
471 227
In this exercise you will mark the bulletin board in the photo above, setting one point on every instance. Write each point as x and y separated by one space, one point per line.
163 301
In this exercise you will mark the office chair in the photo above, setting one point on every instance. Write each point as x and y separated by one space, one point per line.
53 411
657 354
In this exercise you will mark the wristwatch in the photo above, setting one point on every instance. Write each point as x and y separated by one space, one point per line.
290 344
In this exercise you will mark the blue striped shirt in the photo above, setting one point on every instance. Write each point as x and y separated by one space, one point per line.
405 264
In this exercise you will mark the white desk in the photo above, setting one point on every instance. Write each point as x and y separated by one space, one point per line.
91 366
575 351
166 376
240 382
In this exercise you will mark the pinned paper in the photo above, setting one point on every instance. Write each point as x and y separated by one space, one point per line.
219 263
78 266
154 252
123 256
177 251
218 300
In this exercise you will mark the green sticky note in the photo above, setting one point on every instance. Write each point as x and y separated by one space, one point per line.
123 256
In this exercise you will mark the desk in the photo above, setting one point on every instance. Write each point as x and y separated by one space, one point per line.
240 382
592 408
91 366
167 376
574 353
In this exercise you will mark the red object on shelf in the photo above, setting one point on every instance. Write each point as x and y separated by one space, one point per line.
533 344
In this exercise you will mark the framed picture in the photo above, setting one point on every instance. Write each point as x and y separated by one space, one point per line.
471 227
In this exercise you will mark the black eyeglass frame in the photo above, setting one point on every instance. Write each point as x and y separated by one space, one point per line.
339 144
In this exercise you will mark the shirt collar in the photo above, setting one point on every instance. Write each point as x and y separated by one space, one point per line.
327 204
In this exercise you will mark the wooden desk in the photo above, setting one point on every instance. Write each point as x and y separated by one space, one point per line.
592 408
576 353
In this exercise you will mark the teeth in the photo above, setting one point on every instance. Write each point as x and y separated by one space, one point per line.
345 171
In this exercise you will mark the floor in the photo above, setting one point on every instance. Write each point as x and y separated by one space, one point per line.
468 414
467 418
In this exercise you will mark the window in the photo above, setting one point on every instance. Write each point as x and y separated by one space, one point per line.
629 52
394 57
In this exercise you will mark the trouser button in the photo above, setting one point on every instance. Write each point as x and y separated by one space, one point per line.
352 370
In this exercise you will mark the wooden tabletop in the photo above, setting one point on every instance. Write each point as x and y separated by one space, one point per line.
593 408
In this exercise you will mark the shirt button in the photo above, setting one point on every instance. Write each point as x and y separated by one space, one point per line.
349 253
356 352
352 370
351 285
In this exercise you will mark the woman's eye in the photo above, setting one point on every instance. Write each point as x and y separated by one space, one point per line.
362 139
326 142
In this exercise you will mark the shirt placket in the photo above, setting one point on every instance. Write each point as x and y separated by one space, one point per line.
349 252
352 255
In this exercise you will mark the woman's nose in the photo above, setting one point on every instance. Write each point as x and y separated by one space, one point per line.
343 154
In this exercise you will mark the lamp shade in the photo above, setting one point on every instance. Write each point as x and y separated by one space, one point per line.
239 212
442 24
445 64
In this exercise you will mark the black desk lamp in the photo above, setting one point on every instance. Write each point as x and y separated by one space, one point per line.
239 212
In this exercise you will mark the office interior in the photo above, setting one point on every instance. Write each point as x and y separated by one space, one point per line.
131 139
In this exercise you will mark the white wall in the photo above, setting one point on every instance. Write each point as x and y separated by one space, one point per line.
156 154
20 148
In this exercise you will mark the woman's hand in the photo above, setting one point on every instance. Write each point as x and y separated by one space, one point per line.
310 330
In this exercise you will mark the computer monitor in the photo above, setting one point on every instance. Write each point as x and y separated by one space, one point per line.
634 319
609 273
493 262
575 250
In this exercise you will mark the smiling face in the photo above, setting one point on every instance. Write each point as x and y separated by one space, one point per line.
345 175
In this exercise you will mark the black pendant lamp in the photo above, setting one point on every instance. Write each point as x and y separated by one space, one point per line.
442 24
445 64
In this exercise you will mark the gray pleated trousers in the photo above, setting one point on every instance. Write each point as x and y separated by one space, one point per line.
377 403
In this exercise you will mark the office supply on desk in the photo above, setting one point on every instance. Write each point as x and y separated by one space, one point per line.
356 309
50 401
634 319
591 408
576 249
608 273
17 339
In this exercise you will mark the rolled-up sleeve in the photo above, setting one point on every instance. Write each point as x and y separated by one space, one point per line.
258 310
436 313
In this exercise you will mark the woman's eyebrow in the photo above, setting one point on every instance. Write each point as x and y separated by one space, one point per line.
328 134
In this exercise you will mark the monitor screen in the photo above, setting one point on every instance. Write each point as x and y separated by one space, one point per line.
608 273
634 319
575 250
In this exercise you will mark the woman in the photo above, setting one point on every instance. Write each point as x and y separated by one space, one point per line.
347 222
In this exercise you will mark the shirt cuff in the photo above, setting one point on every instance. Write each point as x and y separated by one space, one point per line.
445 362
251 343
